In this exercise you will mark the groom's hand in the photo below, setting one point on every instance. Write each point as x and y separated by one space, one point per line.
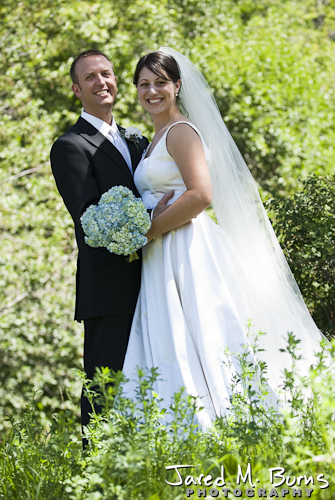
162 204
160 208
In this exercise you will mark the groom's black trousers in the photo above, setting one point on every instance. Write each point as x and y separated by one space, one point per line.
105 344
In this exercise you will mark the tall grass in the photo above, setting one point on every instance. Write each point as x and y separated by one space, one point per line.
131 443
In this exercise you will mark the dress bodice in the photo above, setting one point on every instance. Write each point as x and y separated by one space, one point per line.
159 173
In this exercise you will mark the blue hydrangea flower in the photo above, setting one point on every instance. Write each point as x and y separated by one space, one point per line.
118 223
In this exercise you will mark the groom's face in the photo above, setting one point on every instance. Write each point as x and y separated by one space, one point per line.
96 87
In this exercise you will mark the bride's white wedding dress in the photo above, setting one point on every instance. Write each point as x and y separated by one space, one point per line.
191 307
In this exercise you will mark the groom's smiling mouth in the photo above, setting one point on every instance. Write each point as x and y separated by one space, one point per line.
102 92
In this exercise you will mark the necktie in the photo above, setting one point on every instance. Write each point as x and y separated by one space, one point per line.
120 145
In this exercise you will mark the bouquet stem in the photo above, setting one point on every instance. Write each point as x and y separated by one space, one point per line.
133 256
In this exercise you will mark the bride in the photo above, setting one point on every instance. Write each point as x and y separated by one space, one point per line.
202 281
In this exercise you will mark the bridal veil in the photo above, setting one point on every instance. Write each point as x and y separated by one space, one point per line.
271 294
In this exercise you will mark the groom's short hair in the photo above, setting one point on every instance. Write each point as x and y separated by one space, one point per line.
86 53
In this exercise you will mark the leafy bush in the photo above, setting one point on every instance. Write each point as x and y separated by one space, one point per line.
131 445
305 225
34 463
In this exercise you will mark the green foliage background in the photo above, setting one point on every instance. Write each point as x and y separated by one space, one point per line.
270 64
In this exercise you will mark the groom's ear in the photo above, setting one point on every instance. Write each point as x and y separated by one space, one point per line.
76 90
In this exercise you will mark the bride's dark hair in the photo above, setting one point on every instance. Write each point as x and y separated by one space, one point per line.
159 63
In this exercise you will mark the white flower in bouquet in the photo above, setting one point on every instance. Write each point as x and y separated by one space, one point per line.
118 223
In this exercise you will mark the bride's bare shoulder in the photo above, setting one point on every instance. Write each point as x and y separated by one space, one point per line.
182 133
184 128
183 136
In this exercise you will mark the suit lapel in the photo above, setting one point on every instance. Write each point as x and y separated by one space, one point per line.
93 136
135 153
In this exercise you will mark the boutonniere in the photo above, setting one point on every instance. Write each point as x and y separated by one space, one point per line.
132 134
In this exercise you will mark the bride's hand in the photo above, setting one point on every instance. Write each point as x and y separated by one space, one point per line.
149 236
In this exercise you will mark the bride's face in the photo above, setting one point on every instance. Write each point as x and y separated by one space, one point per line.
156 94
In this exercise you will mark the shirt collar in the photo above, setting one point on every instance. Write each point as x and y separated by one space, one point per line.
100 125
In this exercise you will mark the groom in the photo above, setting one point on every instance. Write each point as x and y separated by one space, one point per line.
86 161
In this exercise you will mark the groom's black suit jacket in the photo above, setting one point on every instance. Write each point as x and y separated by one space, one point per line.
85 165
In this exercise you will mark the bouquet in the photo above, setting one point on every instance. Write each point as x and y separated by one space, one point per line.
118 222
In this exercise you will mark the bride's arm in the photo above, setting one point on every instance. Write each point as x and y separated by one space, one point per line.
185 146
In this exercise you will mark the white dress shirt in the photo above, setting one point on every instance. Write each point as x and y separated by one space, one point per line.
111 132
